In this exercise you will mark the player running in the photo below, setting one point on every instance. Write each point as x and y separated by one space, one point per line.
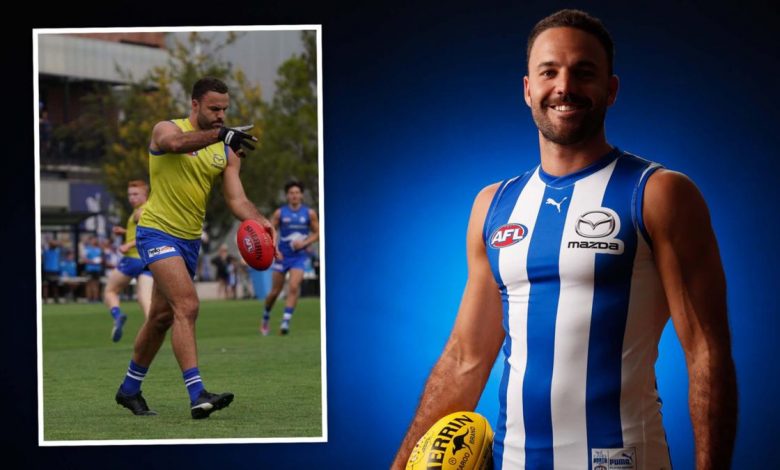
299 227
130 266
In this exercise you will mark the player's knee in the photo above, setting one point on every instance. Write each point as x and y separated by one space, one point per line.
165 322
187 308
111 291
161 320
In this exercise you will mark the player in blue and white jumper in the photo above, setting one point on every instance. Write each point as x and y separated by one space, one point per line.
574 269
298 228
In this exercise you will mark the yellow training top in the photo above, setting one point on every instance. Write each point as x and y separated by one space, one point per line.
181 184
130 234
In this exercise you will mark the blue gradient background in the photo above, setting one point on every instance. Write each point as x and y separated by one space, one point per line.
423 107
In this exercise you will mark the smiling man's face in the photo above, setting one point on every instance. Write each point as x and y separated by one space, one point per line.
568 86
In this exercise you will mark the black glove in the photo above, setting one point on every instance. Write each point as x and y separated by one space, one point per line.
236 137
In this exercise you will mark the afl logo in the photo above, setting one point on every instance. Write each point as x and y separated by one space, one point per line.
508 235
249 245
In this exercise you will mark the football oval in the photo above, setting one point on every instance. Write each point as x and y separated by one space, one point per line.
255 244
462 441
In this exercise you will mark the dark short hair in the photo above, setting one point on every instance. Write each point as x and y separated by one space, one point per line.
574 19
207 84
138 184
291 184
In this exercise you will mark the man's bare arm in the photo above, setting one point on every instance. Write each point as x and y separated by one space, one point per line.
458 378
168 138
235 197
686 253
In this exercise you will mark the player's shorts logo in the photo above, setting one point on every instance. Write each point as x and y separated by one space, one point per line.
508 235
614 459
160 251
595 224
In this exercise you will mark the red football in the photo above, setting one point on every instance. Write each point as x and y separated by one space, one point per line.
255 245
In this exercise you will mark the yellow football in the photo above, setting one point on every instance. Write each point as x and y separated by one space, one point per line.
458 441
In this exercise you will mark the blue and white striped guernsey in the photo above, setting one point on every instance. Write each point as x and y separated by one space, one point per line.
583 311
293 225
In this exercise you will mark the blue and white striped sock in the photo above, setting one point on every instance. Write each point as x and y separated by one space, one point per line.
193 382
288 311
132 383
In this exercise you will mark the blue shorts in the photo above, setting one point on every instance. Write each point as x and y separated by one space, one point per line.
132 267
293 262
154 245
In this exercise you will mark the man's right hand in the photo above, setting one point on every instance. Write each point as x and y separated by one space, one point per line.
269 227
235 138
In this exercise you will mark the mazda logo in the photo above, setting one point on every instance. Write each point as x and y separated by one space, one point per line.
595 224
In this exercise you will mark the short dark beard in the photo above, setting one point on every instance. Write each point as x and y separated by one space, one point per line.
203 123
591 125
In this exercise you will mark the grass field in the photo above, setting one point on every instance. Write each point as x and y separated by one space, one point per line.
276 379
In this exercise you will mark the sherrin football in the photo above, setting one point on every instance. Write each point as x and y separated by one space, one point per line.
255 244
462 441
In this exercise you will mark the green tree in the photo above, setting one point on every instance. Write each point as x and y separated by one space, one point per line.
289 143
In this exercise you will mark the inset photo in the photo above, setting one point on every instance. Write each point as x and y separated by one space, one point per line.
181 237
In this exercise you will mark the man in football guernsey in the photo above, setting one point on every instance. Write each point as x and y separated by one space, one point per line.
186 156
574 268
298 227
130 266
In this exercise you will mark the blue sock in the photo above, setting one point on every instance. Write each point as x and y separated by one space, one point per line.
288 311
135 375
115 312
267 315
193 382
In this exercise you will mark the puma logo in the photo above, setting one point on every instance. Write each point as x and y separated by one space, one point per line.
557 205
459 442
